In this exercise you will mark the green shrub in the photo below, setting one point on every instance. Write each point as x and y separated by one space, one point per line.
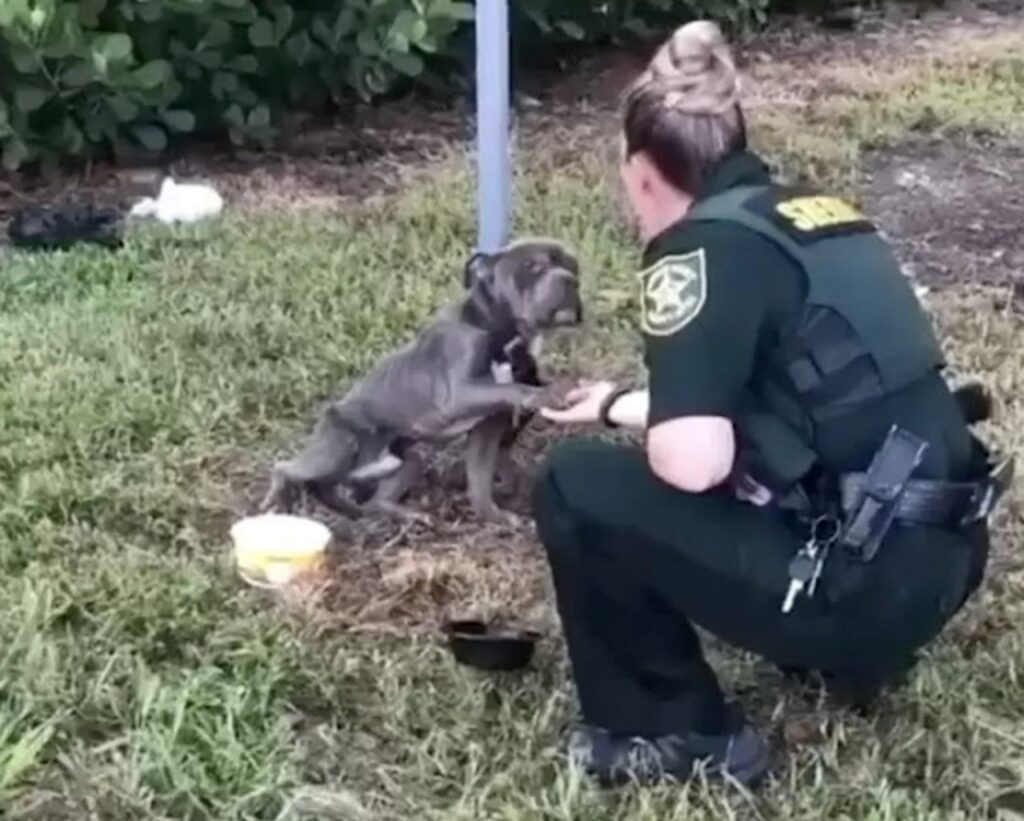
81 77
76 76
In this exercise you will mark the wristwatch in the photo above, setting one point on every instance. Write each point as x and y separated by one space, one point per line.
606 406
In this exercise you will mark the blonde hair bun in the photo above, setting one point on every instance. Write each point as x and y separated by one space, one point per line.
694 71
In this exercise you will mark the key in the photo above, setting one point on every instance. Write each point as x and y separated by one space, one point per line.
819 564
795 586
824 534
801 571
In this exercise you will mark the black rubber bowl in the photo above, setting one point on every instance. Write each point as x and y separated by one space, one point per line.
475 644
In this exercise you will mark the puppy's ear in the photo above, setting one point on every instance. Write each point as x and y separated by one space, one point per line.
478 268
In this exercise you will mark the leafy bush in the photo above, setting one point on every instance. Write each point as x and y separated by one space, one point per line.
75 76
82 76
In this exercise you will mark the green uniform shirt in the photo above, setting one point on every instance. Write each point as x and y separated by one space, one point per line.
714 296
750 287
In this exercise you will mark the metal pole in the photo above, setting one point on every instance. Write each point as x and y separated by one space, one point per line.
494 165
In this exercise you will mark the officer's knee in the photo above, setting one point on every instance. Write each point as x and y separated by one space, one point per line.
566 460
553 514
546 495
569 472
568 493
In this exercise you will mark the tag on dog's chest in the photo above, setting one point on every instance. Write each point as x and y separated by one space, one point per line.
502 372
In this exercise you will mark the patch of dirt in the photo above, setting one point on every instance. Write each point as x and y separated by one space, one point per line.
955 212
486 574
393 577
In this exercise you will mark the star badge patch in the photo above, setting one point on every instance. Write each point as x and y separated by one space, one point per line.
673 291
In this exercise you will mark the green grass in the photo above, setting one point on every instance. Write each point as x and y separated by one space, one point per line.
141 396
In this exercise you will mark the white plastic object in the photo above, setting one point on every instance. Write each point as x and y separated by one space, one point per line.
274 549
180 203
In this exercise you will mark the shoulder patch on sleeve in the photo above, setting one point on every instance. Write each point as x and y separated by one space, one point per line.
673 292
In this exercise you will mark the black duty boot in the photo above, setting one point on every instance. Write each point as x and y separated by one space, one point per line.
616 759
861 690
854 690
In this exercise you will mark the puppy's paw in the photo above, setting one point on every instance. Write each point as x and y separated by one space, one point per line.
418 517
536 398
548 396
513 521
400 512
530 398
275 502
494 515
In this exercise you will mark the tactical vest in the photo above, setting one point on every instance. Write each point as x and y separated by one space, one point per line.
861 334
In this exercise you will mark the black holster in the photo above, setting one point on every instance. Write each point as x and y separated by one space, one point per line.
868 519
871 502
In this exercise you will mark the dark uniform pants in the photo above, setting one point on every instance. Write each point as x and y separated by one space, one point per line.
636 563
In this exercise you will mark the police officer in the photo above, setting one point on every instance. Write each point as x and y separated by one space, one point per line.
808 489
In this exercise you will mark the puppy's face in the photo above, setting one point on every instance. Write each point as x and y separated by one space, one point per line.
537 281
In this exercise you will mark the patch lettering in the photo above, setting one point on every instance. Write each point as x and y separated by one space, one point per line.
807 217
673 292
814 213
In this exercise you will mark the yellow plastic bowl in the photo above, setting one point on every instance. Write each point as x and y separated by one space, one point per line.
273 549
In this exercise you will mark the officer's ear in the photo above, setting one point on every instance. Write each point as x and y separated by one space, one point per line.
478 268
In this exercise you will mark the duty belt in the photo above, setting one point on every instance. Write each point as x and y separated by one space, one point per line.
938 503
872 501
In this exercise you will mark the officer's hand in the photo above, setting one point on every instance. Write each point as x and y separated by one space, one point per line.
582 404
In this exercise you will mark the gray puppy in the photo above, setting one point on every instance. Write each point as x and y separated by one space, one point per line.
470 371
